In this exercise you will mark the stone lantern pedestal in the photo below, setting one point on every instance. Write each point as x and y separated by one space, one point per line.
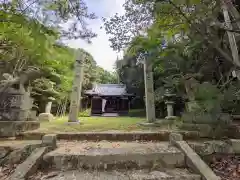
47 115
170 110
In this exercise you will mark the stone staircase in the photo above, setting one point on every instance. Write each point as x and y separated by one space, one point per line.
106 160
170 174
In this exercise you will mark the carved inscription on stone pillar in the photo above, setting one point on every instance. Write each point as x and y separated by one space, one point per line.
76 90
149 91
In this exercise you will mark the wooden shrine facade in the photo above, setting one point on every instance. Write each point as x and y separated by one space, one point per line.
109 98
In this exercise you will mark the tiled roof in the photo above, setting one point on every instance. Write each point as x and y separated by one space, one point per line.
108 90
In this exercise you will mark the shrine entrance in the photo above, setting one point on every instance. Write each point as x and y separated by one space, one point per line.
114 100
112 105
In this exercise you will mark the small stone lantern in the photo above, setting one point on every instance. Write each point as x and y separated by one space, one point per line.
169 97
47 116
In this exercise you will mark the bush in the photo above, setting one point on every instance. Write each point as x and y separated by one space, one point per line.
137 113
231 99
207 106
208 97
85 113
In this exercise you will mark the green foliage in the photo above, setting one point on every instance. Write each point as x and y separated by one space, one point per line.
231 99
57 14
196 47
208 98
26 42
85 113
105 77
207 109
123 28
22 38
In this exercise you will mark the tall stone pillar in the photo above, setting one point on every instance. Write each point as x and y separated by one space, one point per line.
149 91
77 88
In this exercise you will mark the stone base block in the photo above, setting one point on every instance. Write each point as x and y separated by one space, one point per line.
146 124
171 117
78 122
205 130
50 140
45 117
173 137
165 122
13 128
235 143
158 123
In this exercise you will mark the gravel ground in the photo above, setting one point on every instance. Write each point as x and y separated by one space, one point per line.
226 166
6 172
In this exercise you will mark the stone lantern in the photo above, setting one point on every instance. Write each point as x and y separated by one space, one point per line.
169 97
47 115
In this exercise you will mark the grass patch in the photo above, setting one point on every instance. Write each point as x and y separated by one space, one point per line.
93 124
137 113
98 124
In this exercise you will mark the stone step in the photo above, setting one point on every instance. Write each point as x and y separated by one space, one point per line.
167 174
162 135
114 155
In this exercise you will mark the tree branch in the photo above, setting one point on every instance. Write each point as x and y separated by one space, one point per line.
222 27
24 10
231 36
225 55
233 11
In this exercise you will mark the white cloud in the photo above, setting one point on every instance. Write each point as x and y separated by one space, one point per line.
100 47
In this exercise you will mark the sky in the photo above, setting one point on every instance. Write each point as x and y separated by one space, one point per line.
100 48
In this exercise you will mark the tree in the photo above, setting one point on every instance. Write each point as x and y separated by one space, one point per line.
188 19
122 28
105 77
69 17
26 42
197 46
